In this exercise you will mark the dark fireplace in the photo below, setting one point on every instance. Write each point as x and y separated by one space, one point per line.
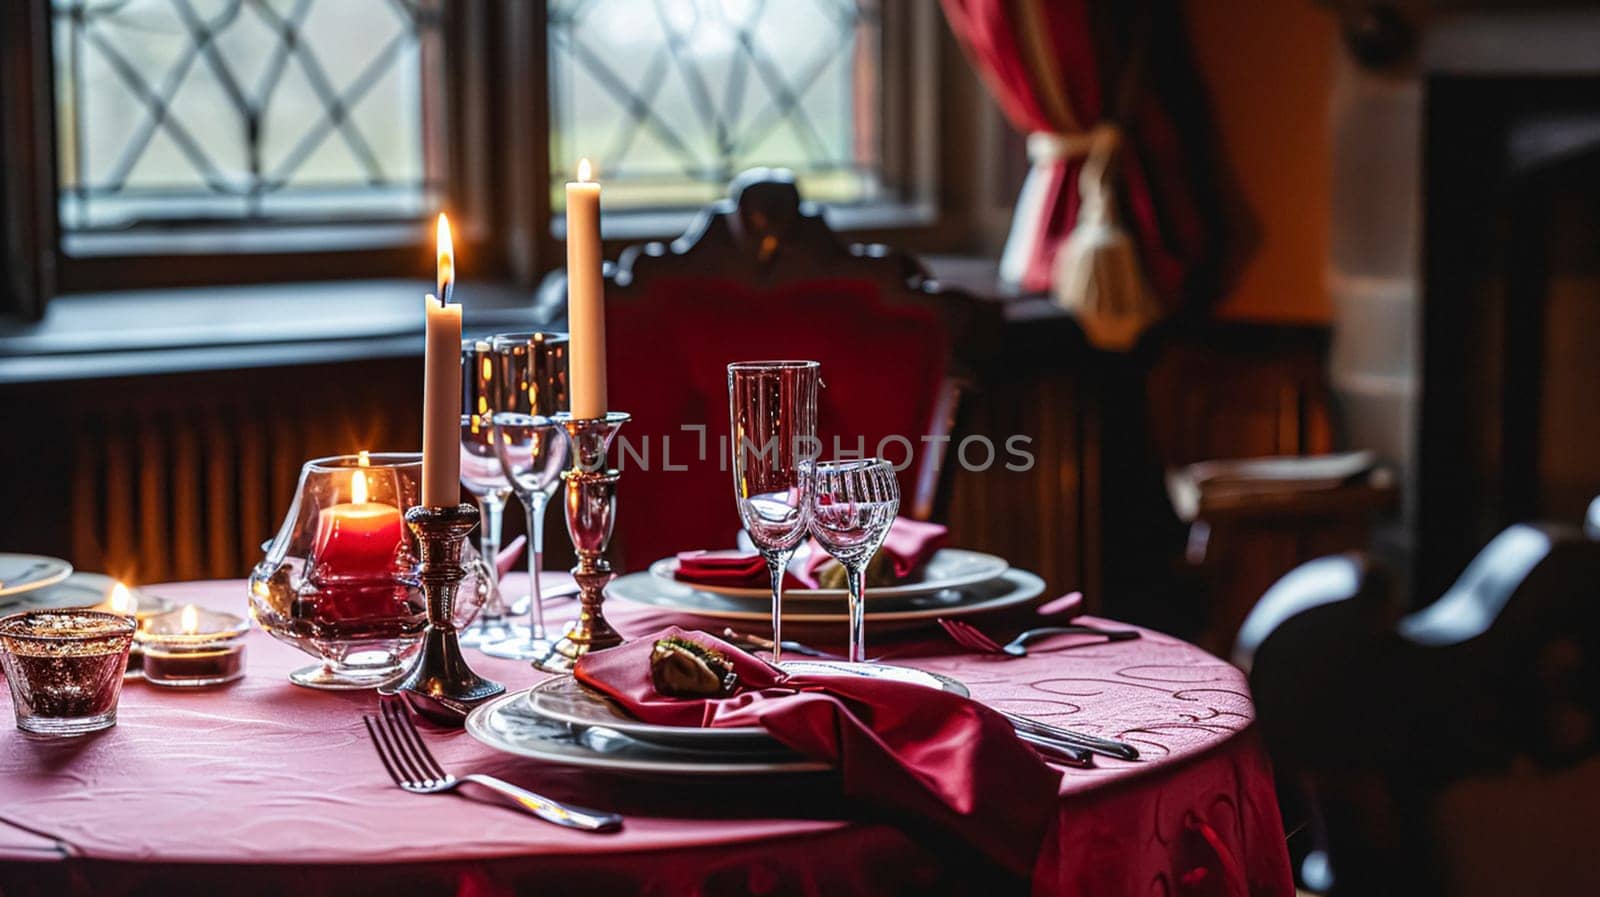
1510 416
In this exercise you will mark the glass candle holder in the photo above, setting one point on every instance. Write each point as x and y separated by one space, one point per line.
65 668
340 579
192 647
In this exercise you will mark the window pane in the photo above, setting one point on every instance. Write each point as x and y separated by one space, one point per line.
672 98
228 111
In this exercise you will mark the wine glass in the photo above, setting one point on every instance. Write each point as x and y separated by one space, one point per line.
482 476
532 450
772 410
853 504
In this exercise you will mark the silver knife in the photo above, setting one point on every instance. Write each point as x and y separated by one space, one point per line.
1110 747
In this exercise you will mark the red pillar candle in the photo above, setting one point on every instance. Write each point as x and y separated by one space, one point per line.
357 540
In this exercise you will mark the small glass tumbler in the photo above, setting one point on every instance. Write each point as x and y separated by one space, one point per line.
65 668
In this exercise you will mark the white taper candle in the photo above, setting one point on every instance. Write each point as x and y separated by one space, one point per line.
441 389
586 306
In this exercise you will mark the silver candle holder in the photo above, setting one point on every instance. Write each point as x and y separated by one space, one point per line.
591 514
440 671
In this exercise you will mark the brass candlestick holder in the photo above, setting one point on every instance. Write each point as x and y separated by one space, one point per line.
591 514
440 671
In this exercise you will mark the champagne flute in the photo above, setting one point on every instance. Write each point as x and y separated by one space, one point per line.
853 504
482 476
532 450
772 410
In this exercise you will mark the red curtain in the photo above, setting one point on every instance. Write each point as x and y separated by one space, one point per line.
1060 69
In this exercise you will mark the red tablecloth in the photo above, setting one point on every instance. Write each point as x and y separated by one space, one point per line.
265 787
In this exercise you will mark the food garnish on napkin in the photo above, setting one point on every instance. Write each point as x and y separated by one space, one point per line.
684 668
928 753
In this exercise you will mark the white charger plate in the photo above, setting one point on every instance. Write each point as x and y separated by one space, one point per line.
20 573
1012 587
565 700
948 568
509 724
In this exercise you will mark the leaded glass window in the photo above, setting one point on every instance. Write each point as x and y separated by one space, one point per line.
672 98
177 112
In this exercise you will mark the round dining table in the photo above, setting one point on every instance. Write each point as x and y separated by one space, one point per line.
265 787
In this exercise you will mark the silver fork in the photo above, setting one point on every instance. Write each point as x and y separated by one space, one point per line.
973 639
413 768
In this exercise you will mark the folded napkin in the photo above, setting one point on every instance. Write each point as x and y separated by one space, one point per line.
927 753
908 546
734 567
507 558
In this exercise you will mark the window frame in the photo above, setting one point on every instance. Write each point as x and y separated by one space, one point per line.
496 151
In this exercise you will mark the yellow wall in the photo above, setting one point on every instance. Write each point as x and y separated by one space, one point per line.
1268 67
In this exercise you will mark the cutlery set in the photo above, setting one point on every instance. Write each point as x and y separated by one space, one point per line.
413 768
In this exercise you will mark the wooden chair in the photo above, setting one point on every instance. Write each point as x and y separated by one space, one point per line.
761 275
1450 751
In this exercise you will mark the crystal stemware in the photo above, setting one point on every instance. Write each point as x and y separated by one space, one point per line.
853 504
532 450
772 410
482 476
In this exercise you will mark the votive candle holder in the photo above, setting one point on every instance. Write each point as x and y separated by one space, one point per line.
65 668
193 648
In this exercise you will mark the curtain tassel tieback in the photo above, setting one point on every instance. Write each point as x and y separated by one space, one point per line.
1096 274
1047 150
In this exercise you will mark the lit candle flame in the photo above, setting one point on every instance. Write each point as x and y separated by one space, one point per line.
358 488
190 620
447 260
363 459
583 170
121 600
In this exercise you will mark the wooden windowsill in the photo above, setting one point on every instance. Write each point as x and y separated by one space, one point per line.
147 332
141 332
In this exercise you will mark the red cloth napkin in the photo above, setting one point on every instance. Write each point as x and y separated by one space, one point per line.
734 567
928 753
910 543
507 558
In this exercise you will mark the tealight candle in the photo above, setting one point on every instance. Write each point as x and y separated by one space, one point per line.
193 647
127 602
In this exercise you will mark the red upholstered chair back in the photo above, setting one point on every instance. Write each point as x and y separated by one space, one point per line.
760 276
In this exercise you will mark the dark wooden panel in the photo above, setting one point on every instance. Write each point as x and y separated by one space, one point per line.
184 476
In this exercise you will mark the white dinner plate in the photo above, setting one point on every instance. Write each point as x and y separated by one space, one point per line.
566 700
949 568
1012 587
509 724
78 590
21 573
